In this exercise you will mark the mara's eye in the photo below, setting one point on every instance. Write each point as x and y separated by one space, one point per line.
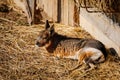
44 38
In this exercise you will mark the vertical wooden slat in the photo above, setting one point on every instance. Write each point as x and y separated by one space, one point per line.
65 12
32 8
71 13
62 11
68 14
49 9
76 16
54 12
59 11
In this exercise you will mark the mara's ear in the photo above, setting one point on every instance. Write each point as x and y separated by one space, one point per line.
47 24
52 30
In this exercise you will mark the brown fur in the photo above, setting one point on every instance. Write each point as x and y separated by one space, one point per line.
85 50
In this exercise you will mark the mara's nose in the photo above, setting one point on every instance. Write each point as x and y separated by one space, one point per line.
37 43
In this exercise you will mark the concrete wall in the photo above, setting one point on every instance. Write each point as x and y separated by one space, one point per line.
101 28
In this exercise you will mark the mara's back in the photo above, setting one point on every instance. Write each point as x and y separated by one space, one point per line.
84 50
67 46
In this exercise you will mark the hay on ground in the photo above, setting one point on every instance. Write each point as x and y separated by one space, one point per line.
20 60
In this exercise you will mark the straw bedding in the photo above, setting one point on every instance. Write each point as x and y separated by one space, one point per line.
21 60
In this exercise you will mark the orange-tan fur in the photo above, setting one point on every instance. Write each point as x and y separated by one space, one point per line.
88 51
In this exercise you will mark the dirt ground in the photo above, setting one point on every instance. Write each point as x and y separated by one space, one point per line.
21 60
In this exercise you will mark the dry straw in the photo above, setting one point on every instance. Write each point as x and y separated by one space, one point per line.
21 60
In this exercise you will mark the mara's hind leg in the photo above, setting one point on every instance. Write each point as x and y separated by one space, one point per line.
94 56
90 64
91 61
80 62
89 56
76 67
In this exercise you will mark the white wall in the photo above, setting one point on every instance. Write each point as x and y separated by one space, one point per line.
101 28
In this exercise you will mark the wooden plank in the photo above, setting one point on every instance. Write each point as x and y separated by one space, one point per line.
76 16
55 11
32 8
66 12
71 13
50 9
59 11
62 11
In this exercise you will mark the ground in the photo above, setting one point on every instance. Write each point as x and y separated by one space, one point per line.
21 60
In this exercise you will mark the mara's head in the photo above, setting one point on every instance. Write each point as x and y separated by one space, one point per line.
45 35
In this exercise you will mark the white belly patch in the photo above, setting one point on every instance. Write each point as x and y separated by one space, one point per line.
96 53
